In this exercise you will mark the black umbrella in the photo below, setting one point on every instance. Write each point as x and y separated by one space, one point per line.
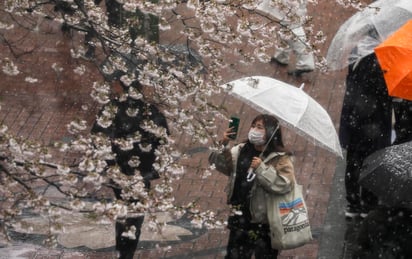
388 174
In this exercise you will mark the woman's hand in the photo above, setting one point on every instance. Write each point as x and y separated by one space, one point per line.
256 161
225 140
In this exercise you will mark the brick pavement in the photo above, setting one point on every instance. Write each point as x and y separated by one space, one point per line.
41 111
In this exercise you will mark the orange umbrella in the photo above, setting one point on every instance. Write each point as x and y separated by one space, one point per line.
395 58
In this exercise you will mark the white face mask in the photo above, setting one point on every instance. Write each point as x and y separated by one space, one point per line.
256 137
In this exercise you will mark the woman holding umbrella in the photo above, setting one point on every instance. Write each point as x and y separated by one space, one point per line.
259 163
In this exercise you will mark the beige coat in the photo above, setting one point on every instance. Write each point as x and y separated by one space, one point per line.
274 176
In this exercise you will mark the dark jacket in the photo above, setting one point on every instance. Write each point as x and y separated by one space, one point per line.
125 126
365 124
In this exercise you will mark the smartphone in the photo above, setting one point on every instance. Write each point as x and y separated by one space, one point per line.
234 122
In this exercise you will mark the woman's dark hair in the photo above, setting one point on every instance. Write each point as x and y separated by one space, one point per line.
271 124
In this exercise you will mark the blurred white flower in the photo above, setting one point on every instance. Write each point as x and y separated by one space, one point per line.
145 147
57 68
130 233
5 26
80 70
9 68
76 126
31 80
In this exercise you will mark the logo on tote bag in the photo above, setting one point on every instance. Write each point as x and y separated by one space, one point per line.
293 215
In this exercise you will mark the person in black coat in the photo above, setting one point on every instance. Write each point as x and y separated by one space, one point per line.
124 125
365 126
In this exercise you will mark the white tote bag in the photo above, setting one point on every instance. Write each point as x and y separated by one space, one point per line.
288 219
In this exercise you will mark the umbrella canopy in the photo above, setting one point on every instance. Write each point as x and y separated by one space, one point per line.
388 174
366 29
293 107
394 56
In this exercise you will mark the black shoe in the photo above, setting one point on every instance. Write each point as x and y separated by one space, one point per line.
299 72
277 62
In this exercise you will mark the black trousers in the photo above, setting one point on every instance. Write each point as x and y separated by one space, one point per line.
124 245
358 198
246 239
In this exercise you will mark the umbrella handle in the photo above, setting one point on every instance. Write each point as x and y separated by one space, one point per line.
250 175
267 143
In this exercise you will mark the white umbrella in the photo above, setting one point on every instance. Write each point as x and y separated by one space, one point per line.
293 107
361 33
